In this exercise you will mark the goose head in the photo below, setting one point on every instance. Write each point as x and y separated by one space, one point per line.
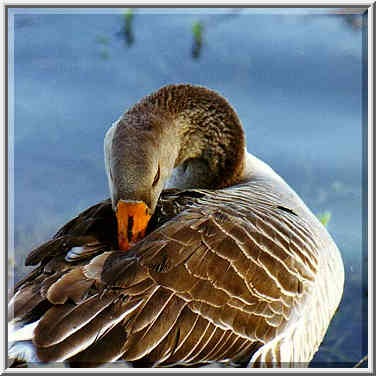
182 136
137 166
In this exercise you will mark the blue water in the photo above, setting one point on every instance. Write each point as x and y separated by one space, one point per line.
295 79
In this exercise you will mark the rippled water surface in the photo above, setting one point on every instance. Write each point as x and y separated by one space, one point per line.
295 79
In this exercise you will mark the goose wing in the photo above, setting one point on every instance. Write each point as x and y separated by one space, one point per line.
222 275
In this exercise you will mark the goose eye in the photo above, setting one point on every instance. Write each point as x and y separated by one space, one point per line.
156 178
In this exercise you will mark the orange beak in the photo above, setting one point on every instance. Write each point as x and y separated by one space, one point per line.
132 220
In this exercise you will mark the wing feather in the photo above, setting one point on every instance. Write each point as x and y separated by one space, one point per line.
224 275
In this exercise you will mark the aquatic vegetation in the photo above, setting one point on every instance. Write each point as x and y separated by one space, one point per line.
102 39
197 30
104 54
128 29
324 218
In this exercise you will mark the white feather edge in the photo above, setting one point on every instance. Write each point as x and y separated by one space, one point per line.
19 342
107 154
21 333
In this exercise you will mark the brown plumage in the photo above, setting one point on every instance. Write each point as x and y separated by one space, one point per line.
243 274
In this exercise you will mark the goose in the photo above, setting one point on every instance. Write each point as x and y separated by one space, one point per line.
202 254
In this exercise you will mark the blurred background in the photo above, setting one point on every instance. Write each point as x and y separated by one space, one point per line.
294 76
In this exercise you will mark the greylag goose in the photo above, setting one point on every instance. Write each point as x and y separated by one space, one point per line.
202 254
